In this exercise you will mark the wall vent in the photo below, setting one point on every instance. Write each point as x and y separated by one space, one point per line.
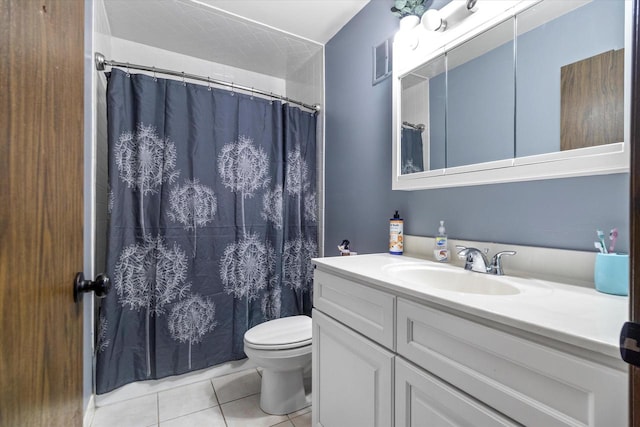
382 60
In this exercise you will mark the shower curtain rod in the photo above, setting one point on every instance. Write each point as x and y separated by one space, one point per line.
419 127
101 62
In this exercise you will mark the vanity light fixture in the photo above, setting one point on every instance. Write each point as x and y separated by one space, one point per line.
432 20
409 22
451 14
472 5
407 38
405 34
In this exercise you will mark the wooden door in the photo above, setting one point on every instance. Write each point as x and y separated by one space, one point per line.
592 101
41 206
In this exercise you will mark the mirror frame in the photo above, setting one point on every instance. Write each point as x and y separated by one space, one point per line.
598 160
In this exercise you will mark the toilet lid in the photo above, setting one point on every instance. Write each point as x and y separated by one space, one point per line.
287 332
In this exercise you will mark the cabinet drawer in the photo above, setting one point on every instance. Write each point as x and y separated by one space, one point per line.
368 311
528 382
424 400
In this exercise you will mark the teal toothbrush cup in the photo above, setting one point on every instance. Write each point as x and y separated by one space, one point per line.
611 273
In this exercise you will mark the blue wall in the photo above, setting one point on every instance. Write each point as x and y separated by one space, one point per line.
562 213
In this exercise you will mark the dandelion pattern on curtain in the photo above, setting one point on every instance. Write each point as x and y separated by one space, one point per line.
213 221
192 205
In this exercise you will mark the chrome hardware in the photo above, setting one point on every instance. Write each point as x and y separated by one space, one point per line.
476 260
496 261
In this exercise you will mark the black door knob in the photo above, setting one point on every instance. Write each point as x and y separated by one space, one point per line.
100 286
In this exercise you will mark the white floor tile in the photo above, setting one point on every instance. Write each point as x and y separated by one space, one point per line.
246 412
185 400
301 411
138 412
196 405
302 420
236 386
211 417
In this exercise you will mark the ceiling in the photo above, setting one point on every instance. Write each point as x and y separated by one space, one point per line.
273 37
315 20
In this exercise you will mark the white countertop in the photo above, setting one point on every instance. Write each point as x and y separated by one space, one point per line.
569 314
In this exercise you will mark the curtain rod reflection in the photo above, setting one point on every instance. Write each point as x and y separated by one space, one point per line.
101 62
419 127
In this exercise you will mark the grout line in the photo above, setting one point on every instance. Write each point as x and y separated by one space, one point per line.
240 398
158 409
215 393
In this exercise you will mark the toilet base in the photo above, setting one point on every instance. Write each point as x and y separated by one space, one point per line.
282 392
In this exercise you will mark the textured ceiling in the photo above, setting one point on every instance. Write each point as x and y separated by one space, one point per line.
264 41
315 20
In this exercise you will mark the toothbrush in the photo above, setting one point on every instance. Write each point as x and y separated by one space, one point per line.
600 234
613 235
599 247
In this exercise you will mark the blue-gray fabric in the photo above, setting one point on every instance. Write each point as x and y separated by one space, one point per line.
213 219
411 151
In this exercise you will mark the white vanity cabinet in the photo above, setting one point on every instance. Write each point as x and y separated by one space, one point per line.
352 375
424 400
534 384
385 358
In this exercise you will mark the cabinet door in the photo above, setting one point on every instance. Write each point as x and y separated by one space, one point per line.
424 400
352 377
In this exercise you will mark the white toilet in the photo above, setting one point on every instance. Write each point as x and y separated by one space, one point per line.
282 348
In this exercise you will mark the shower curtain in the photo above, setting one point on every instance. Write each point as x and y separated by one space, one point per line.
212 224
411 151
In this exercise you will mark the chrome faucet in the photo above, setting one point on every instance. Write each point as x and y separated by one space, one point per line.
476 260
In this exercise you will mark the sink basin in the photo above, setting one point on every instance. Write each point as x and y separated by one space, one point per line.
452 279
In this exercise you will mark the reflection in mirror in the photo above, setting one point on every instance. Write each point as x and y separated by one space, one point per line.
570 73
423 118
412 148
481 99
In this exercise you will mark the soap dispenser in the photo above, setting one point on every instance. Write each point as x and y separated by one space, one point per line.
441 251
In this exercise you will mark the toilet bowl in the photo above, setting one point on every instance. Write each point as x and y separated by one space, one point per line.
282 348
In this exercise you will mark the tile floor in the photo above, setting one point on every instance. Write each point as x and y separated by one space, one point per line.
228 401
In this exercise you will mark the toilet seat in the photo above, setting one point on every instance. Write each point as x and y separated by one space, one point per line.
280 334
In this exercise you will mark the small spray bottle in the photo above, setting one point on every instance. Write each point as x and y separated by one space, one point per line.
441 251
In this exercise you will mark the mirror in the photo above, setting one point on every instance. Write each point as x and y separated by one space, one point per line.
480 98
563 66
423 118
519 99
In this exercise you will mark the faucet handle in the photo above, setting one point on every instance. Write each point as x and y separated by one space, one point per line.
467 252
476 260
503 253
496 262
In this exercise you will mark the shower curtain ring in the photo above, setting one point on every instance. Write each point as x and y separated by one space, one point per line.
251 93
128 74
232 92
209 85
271 96
184 83
155 79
